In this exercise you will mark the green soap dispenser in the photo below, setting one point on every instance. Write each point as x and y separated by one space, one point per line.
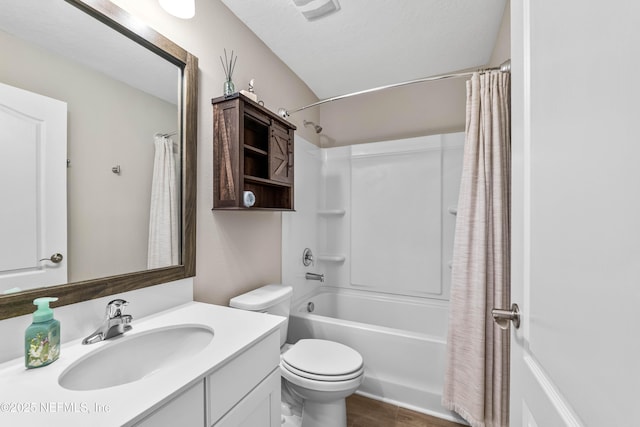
42 337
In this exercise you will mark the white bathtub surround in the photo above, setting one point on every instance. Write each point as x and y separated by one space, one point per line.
403 255
81 319
384 223
362 210
477 375
403 349
236 334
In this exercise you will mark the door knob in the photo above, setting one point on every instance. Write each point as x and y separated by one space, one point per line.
55 258
502 317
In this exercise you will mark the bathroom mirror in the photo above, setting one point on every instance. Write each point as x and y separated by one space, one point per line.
101 27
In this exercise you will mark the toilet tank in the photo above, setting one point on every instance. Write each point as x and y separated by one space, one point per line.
272 299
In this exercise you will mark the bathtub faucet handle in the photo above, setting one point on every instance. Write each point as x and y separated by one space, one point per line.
307 257
314 276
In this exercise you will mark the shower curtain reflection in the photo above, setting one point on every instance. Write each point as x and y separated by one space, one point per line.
164 237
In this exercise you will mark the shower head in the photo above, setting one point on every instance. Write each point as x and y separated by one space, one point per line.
317 128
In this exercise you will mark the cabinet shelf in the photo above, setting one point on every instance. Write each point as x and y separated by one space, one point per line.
264 181
252 152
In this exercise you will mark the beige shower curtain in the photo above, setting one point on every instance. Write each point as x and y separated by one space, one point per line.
477 375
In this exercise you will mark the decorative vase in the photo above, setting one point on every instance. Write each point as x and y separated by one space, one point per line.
229 88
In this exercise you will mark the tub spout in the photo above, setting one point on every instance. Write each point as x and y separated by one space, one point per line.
314 276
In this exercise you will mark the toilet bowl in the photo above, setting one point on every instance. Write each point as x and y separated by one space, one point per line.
321 373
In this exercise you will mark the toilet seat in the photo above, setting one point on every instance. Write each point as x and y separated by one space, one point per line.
322 360
321 386
317 377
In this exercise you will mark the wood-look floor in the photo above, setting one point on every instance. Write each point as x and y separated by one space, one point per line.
365 412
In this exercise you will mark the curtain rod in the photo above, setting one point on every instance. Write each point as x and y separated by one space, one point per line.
165 135
505 67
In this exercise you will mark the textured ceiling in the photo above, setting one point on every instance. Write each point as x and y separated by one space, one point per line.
370 43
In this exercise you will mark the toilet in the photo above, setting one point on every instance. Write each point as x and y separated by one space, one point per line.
322 373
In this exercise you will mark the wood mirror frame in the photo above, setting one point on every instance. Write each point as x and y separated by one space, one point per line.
17 304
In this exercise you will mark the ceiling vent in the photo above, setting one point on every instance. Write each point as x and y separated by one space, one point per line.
316 9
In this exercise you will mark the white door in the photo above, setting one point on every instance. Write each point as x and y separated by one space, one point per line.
576 213
33 189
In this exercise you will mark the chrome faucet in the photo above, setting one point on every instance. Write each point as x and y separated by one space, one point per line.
115 323
314 276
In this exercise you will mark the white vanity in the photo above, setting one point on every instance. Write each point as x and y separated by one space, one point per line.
232 380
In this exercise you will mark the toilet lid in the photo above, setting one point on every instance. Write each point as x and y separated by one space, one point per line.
324 358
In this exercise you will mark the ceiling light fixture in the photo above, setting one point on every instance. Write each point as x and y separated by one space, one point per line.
316 9
184 9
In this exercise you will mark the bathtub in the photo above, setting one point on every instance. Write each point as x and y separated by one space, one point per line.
402 341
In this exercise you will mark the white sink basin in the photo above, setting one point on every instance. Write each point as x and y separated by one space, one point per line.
133 357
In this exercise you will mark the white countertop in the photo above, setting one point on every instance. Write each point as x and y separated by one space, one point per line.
30 397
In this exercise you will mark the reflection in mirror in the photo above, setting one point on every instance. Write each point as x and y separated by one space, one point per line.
117 97
119 114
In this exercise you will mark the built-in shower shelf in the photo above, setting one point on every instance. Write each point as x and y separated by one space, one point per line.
332 212
331 258
453 210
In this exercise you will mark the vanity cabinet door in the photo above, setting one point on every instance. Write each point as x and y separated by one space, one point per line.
236 380
260 408
186 410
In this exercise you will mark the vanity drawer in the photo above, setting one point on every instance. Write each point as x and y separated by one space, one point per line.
229 385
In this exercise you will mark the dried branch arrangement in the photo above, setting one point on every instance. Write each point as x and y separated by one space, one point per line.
228 65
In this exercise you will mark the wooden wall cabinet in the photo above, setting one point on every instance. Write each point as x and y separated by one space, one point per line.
252 151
